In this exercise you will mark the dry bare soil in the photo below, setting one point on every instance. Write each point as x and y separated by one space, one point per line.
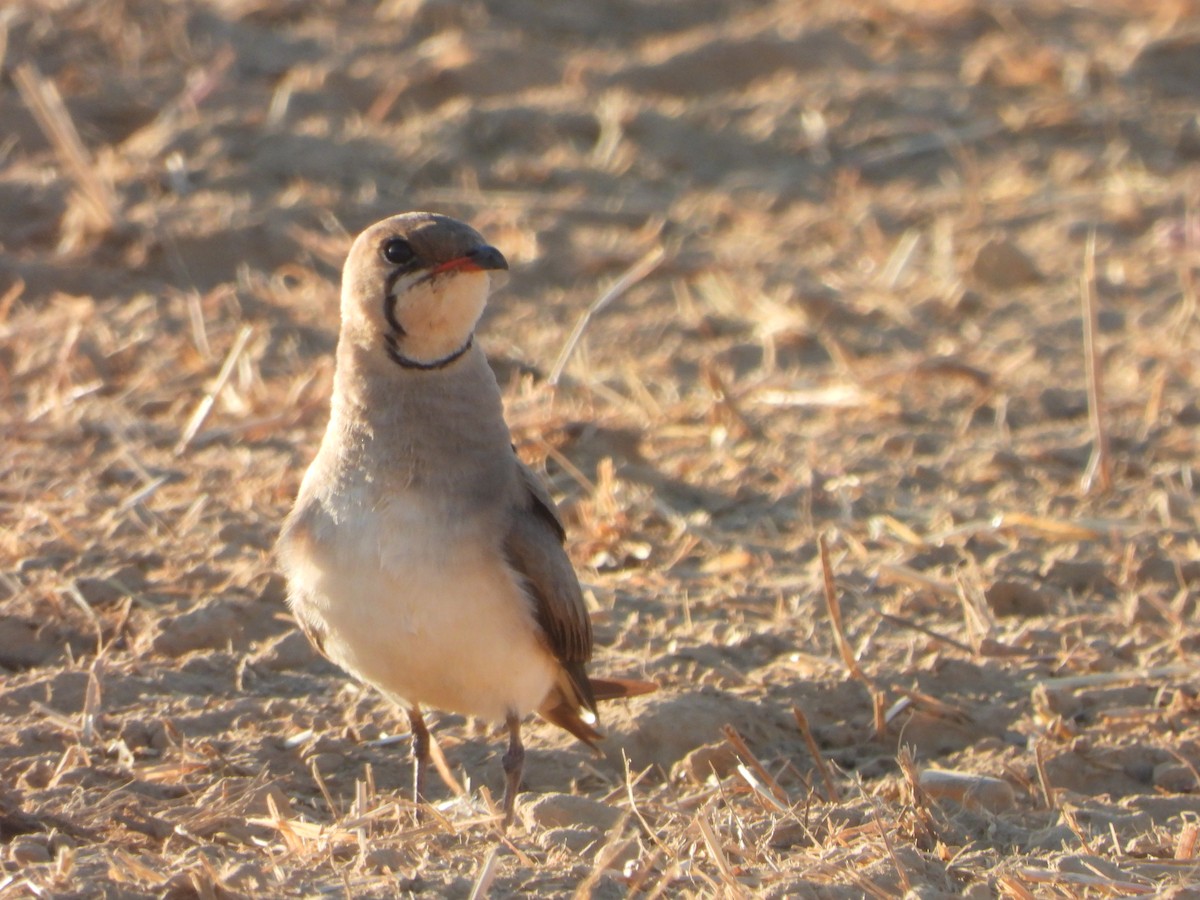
860 240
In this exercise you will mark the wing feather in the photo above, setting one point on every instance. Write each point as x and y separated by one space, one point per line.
534 547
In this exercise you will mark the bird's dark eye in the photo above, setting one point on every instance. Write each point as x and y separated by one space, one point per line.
398 251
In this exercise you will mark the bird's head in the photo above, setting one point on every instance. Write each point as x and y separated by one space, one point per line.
414 286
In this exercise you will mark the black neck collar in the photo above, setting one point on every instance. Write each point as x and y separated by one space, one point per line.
407 362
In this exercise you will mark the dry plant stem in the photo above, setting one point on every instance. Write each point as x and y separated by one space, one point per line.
879 701
91 704
1078 879
1183 761
1077 830
835 615
1185 848
929 632
206 404
1099 469
76 596
628 279
895 572
1187 301
713 842
629 783
324 789
832 793
905 882
739 745
1101 679
487 873
920 799
1048 795
443 767
47 107
10 297
613 845
522 857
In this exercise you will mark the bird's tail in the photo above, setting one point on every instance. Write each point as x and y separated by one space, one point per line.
616 688
568 714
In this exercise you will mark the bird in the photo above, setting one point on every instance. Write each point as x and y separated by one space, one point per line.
422 556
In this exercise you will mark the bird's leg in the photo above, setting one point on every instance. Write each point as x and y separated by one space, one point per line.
514 763
420 752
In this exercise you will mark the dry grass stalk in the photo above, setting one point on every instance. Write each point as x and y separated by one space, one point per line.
921 803
832 794
1011 886
1183 761
740 747
725 411
1102 679
11 296
1082 880
834 608
905 881
1186 847
1049 796
892 573
324 789
1073 823
1062 530
443 768
76 596
1099 468
928 632
630 781
196 422
126 866
614 844
487 874
152 139
833 396
631 276
761 793
92 702
713 842
45 103
934 706
978 618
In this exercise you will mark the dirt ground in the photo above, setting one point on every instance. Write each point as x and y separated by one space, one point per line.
857 246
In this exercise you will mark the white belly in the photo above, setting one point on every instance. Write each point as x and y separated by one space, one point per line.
423 609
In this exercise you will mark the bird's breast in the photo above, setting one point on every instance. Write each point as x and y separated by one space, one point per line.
417 599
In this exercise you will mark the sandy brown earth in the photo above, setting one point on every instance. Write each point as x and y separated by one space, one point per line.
859 237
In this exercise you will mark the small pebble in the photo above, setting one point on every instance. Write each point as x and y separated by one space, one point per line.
1175 778
288 652
1000 263
702 762
27 850
1017 598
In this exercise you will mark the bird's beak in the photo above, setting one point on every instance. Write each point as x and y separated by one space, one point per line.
482 259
